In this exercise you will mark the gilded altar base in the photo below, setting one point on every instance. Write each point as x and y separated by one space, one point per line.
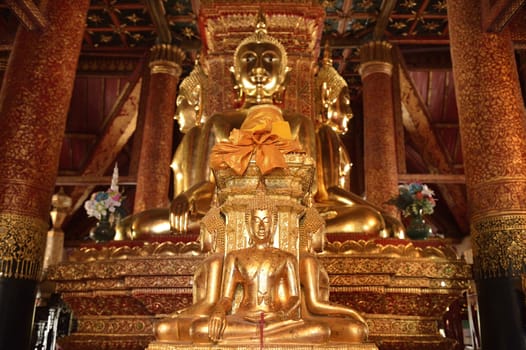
118 290
164 346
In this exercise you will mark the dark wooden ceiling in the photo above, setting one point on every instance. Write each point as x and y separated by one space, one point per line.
119 34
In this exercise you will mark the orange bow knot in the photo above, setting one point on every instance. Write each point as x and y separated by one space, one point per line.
268 150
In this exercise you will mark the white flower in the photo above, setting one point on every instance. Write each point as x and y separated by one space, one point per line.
427 192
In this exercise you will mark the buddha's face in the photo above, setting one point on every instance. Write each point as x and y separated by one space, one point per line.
260 226
339 113
259 69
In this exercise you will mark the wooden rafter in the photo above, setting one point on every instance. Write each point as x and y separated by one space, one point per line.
383 18
27 13
433 178
93 180
497 13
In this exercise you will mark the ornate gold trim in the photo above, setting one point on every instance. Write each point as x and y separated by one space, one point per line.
499 246
165 67
372 67
376 57
107 325
400 325
404 249
22 245
165 346
380 51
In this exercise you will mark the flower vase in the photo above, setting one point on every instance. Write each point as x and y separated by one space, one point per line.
104 231
418 228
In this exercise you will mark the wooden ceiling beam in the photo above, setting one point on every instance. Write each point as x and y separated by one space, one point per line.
383 19
433 178
157 14
418 16
27 13
93 180
416 122
497 13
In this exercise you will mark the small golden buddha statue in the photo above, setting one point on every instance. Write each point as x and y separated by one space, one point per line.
262 293
267 278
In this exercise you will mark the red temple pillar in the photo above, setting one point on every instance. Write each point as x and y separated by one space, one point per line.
153 173
34 101
380 163
493 132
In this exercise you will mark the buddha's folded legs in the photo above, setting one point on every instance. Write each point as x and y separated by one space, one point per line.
240 331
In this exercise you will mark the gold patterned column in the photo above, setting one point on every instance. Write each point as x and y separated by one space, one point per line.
34 101
153 173
380 164
493 134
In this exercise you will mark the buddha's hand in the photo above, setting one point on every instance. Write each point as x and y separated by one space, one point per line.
179 213
216 324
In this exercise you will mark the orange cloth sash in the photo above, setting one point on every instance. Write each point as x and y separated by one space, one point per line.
268 150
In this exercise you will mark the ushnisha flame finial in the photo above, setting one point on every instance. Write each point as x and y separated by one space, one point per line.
327 60
261 24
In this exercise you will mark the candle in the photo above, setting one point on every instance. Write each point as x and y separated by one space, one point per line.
115 179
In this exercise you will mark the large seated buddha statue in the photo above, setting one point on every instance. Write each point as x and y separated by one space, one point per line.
260 73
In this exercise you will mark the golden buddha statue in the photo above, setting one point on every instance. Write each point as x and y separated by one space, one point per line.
267 278
190 117
260 73
268 295
260 70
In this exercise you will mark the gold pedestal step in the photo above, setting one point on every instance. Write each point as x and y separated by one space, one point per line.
175 346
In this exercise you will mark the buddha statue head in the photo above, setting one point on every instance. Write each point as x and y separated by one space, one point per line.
333 102
260 66
261 218
189 103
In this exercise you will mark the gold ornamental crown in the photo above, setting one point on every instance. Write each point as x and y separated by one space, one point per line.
197 77
328 74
